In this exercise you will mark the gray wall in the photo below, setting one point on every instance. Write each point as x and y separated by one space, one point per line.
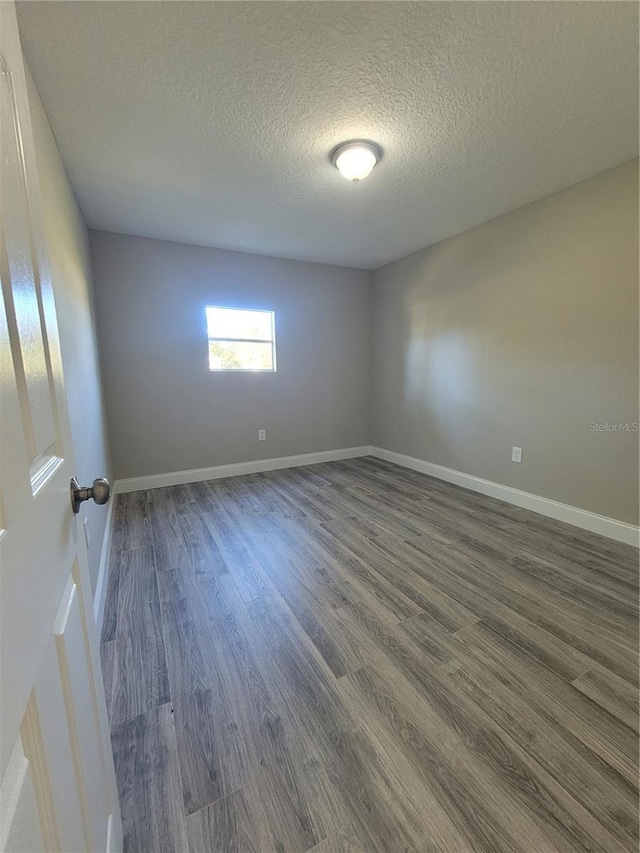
68 244
523 331
168 412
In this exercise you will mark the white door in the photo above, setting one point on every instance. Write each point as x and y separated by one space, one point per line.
57 780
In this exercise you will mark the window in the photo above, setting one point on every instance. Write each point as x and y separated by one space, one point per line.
241 339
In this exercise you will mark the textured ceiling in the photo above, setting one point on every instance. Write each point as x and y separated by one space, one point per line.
211 123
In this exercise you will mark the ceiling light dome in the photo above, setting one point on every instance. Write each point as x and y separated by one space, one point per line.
356 159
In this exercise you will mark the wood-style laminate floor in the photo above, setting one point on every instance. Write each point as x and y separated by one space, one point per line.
356 657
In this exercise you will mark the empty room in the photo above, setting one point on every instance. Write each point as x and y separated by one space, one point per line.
319 441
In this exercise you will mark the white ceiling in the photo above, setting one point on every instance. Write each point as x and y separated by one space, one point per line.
211 123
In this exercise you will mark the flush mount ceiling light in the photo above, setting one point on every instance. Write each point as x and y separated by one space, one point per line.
356 159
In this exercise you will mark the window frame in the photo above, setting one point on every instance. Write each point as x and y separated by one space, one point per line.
271 340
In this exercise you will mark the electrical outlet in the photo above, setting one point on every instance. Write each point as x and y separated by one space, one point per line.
516 454
87 536
262 435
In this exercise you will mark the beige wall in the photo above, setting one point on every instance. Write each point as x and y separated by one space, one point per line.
168 412
523 331
68 244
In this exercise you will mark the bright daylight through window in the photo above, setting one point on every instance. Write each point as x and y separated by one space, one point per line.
241 339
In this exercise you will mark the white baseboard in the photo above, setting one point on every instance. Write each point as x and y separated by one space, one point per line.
194 475
100 595
108 847
610 527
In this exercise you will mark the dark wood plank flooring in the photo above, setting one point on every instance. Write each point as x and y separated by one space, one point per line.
356 658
